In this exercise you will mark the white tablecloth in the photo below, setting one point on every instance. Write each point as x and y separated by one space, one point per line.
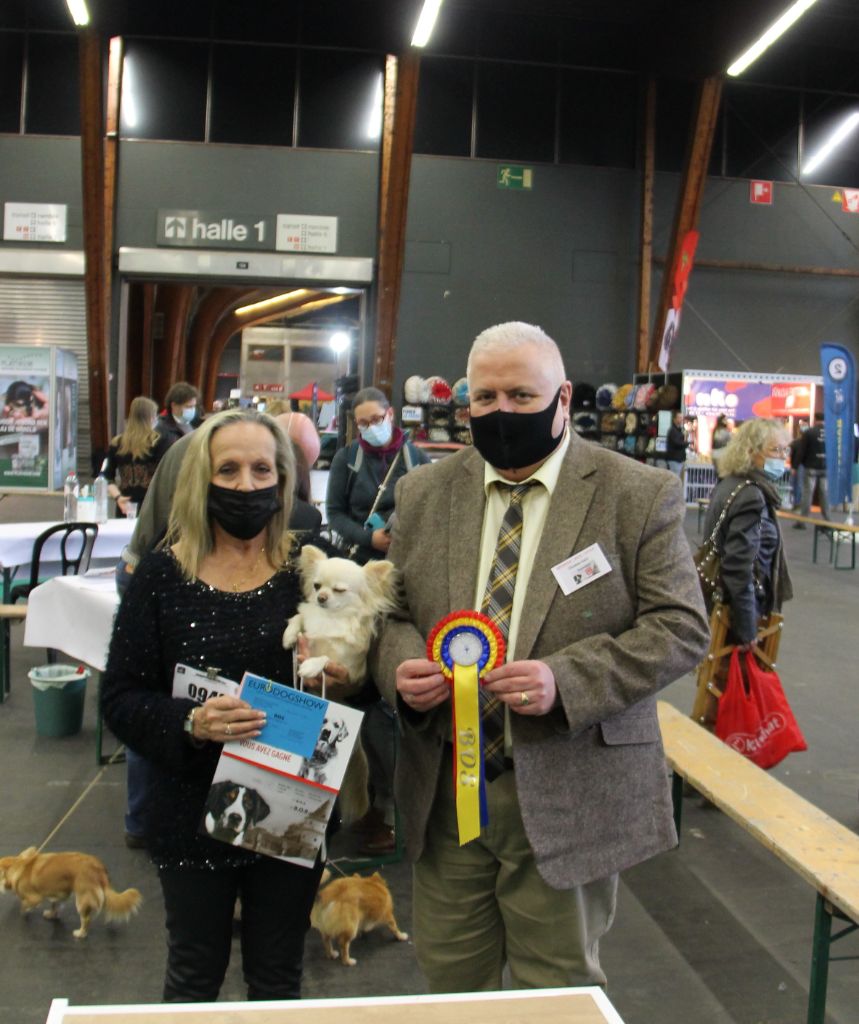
16 542
73 614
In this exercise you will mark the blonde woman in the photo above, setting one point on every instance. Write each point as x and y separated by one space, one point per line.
755 579
133 455
218 593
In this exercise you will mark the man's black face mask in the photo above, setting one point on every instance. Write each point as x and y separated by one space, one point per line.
513 440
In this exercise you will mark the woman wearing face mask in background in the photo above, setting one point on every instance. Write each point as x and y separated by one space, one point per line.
381 455
358 472
755 578
180 414
218 593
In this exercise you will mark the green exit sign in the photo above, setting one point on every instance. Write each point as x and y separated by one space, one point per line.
515 177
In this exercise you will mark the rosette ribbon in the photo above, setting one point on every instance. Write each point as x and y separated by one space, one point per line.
466 644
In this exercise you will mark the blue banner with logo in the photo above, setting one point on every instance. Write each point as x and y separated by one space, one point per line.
839 410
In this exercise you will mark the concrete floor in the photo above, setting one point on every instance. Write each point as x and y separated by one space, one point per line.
717 932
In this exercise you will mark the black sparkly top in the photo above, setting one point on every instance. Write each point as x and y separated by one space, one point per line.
165 619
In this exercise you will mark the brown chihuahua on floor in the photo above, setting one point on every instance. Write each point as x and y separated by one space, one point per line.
350 906
54 877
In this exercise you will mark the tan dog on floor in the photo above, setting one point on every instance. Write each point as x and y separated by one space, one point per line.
54 877
350 906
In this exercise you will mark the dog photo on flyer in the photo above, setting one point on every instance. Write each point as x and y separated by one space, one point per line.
274 794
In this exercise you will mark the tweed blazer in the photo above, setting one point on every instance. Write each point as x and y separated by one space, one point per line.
590 775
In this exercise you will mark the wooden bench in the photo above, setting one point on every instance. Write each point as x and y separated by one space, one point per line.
818 848
8 613
832 531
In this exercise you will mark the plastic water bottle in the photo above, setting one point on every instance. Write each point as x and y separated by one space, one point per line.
99 490
71 490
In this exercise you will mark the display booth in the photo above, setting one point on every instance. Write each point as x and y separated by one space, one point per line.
38 418
709 394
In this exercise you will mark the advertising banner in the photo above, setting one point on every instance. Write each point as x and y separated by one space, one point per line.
736 399
682 270
25 380
839 410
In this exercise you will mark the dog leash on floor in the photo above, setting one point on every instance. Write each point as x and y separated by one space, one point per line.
80 799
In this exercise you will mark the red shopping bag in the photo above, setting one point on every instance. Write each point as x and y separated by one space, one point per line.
756 720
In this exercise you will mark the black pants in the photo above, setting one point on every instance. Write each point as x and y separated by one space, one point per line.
276 901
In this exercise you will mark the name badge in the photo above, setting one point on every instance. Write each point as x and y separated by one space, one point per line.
580 569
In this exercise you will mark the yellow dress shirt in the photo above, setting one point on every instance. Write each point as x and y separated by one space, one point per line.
535 508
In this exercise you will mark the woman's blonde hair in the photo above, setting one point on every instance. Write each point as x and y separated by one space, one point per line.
189 526
748 440
139 438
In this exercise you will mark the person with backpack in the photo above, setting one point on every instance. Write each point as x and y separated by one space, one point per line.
363 475
360 506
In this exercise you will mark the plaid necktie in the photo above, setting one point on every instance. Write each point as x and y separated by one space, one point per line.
498 605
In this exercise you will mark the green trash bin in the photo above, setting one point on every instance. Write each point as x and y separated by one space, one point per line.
58 698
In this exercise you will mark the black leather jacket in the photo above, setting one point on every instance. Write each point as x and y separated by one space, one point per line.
749 542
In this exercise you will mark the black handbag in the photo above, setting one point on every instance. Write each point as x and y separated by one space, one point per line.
708 559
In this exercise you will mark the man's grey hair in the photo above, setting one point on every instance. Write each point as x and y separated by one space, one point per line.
505 337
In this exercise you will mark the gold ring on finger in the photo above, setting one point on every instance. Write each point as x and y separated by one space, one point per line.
524 699
228 729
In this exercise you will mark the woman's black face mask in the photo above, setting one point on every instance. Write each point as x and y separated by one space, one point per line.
513 440
243 514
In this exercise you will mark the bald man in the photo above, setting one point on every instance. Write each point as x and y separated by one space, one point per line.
300 428
583 790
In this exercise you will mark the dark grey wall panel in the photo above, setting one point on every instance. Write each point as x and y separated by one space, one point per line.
245 179
752 320
512 257
44 170
563 255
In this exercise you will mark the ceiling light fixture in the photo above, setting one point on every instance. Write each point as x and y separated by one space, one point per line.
265 303
78 11
128 104
339 341
374 121
778 28
426 22
835 139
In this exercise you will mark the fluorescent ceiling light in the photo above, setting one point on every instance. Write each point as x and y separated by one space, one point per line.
426 22
792 14
78 11
835 139
265 303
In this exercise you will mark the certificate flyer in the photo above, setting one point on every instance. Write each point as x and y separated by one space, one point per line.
274 794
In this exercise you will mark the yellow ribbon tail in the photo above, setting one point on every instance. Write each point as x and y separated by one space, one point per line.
466 751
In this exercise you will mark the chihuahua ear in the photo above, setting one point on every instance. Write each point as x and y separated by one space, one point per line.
382 577
309 558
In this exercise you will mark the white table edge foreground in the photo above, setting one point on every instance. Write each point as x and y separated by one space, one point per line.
61 1011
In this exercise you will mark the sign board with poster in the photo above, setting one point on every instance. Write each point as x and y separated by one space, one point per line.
34 222
38 416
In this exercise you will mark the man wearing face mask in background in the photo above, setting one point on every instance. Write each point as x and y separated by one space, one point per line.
582 791
180 414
